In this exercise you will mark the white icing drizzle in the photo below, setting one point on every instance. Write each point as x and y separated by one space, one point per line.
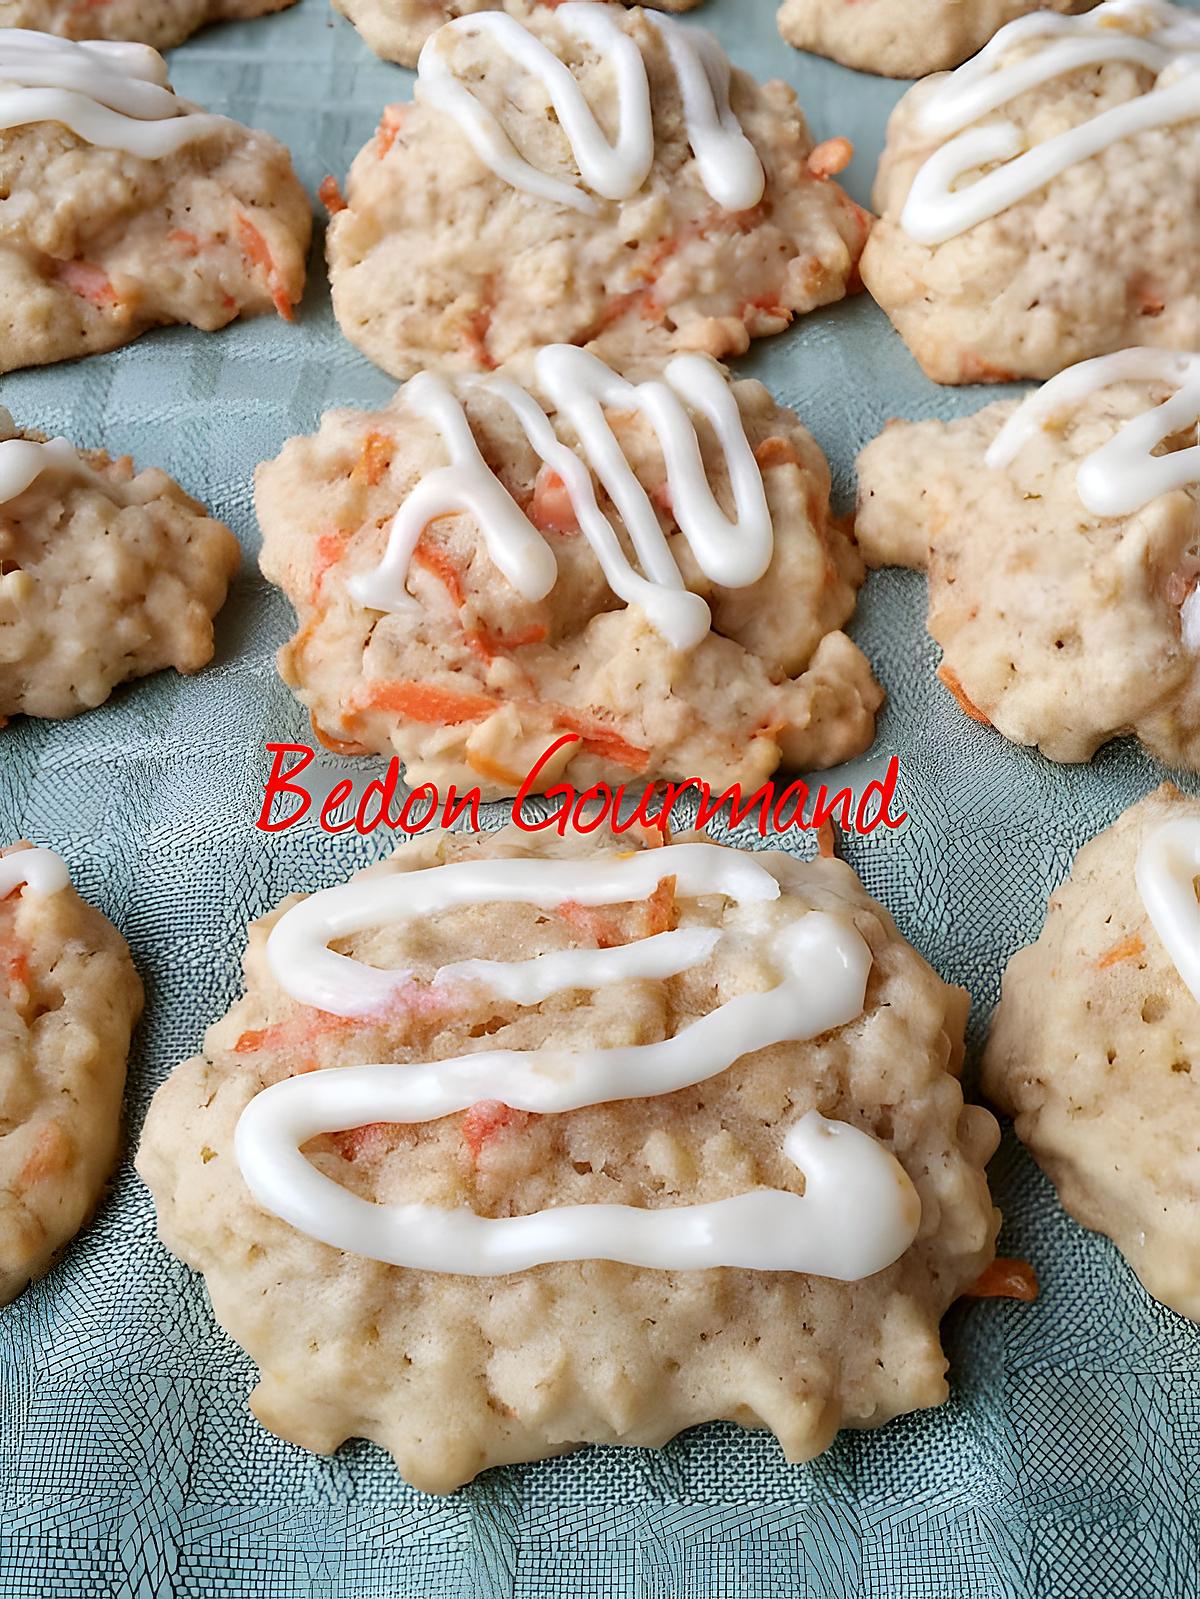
110 94
1149 32
22 461
1168 864
859 1211
728 164
733 553
1123 475
41 869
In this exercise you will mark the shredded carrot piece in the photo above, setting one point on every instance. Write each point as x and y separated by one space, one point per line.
488 645
552 508
330 195
826 160
425 702
950 679
258 253
603 741
328 551
661 911
337 746
776 452
187 241
475 332
375 456
356 1141
302 1028
49 1156
826 840
389 126
1006 1279
1126 950
482 1122
591 922
89 282
433 558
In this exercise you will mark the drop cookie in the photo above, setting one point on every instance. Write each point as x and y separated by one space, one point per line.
105 575
586 173
1061 537
644 573
396 29
518 1167
69 1000
1041 205
161 23
898 39
128 207
1096 1043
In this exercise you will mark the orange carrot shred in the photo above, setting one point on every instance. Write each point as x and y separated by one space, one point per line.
482 1122
826 160
434 558
89 282
1006 1279
330 195
258 253
425 702
1125 950
950 680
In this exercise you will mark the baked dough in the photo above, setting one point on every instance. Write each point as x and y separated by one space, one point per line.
161 23
105 575
1099 257
396 29
101 244
900 39
1060 626
437 262
455 1373
1094 1051
473 682
69 1000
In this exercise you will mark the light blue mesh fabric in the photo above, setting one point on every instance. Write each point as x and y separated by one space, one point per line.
1064 1466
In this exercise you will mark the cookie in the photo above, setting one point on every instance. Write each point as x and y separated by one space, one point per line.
900 40
161 23
645 573
1041 205
105 575
585 173
1061 539
1092 1047
128 207
396 29
69 1000
613 1249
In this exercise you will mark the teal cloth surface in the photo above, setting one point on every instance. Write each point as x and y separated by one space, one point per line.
1066 1464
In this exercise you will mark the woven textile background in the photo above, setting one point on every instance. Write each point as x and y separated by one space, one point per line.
1067 1463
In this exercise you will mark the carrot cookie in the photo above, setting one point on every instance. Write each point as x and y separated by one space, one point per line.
900 39
585 173
104 575
127 207
69 1000
161 23
519 1167
1041 205
1096 1043
646 574
396 29
1061 537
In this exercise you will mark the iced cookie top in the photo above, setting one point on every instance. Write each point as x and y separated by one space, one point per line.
1009 163
113 95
